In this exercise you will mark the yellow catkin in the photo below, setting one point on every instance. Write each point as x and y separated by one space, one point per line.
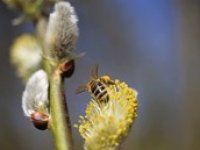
105 124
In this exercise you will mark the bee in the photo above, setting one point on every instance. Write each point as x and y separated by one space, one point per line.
97 86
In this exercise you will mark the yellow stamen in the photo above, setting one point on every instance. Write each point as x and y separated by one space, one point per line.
105 124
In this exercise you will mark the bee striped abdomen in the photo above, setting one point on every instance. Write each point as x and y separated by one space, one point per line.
99 91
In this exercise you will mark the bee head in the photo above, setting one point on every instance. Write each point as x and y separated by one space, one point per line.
105 78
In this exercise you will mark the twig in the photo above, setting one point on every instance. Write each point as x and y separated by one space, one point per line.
60 122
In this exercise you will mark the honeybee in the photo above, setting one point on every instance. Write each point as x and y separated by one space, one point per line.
97 86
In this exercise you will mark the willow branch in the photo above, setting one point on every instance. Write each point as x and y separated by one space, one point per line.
61 33
60 122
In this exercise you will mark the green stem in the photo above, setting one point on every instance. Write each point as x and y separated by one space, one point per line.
60 122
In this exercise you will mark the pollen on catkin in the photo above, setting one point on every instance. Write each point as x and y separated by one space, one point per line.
105 124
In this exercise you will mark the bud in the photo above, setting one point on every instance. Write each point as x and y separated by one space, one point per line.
26 55
40 120
67 69
13 3
35 101
30 9
62 32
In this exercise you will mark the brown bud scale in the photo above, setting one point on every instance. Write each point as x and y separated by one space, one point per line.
40 120
67 69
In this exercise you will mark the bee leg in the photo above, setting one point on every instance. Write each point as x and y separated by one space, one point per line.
81 89
111 82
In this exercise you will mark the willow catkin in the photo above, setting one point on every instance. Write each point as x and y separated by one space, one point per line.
62 31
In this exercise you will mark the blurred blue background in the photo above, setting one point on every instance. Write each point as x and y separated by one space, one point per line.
153 45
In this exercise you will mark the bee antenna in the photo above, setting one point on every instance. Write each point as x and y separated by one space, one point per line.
94 71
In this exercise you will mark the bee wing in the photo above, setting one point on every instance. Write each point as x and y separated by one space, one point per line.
94 71
81 89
